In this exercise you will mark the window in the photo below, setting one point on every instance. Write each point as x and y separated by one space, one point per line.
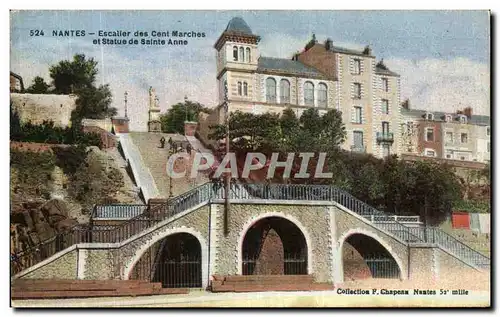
284 91
462 158
429 116
448 118
235 53
357 91
239 88
245 88
430 153
449 137
488 146
247 55
322 95
385 106
463 119
385 127
357 66
270 90
463 137
385 84
429 134
449 154
386 150
309 93
358 118
488 131
242 53
358 139
410 127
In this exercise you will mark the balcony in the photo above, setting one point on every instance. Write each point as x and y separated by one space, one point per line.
385 137
358 148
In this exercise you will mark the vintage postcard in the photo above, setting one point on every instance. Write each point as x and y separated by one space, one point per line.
250 158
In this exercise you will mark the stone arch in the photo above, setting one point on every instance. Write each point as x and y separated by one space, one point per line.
161 234
256 219
376 237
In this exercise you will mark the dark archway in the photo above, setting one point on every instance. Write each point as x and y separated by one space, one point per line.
274 246
174 261
364 257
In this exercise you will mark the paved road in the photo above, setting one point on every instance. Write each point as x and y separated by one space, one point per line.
273 299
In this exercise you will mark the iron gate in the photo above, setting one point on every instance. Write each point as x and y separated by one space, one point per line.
185 272
293 265
383 267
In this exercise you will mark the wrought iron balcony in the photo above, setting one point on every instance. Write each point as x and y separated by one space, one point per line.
385 137
358 148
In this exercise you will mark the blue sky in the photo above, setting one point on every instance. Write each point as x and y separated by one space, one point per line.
442 56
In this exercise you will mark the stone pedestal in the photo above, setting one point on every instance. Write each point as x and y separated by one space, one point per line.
154 126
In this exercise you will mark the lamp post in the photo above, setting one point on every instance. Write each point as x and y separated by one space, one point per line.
227 182
173 148
126 94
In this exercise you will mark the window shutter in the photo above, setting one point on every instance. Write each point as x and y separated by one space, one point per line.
353 114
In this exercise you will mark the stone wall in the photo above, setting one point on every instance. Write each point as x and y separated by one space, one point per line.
347 224
64 267
422 263
98 264
195 222
244 215
37 108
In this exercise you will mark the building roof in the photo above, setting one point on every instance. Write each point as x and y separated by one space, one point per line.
441 116
385 71
287 66
238 25
344 50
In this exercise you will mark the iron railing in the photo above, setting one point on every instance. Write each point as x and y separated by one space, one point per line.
209 191
292 265
118 211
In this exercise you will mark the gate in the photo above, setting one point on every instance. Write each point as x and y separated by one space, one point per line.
383 267
293 265
185 272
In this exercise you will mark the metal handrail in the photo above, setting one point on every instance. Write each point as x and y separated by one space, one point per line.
209 191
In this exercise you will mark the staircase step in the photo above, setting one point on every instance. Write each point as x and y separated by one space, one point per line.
274 278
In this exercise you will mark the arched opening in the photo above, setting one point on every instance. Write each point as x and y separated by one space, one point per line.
174 261
363 257
274 246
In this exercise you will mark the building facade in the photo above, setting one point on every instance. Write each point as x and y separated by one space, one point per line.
321 76
455 136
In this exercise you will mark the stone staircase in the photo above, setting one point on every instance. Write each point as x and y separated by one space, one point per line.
155 159
205 193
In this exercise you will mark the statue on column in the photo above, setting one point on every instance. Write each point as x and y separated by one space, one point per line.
152 97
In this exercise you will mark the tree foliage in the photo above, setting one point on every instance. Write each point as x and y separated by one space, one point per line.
405 188
39 86
93 103
173 120
72 76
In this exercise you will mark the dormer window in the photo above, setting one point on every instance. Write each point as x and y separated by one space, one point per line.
447 118
463 119
429 116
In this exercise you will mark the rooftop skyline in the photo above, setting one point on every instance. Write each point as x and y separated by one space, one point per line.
442 56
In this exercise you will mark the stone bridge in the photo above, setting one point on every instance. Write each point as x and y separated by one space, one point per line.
329 241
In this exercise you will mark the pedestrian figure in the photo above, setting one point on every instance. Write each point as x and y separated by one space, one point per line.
188 149
162 142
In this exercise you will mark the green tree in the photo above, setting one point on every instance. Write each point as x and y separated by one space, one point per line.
72 76
93 103
173 120
39 86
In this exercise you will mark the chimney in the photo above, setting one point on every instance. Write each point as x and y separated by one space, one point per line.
468 112
328 44
190 128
